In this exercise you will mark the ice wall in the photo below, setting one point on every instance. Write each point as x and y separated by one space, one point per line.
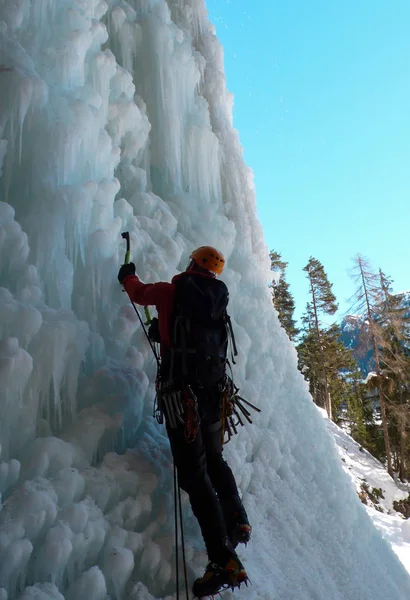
114 116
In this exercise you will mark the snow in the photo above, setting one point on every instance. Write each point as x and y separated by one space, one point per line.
114 116
367 472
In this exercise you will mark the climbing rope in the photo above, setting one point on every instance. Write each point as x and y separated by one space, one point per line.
178 512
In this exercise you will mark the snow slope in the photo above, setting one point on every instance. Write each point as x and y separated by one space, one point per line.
114 116
377 490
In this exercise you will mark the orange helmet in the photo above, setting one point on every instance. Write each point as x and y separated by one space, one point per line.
209 258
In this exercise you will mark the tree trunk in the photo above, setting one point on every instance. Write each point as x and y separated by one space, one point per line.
385 431
322 354
378 372
329 403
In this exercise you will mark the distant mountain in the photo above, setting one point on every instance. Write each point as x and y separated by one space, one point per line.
351 326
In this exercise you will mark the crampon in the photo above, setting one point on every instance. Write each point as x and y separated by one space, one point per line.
216 579
241 534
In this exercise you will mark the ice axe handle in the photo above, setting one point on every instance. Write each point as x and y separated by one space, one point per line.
126 237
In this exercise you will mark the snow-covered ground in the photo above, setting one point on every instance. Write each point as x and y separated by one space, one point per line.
367 473
114 116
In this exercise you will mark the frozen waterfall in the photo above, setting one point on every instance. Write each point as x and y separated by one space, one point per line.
114 116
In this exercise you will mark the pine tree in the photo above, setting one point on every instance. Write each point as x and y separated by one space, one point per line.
323 302
395 362
343 377
310 357
367 299
359 412
341 370
282 298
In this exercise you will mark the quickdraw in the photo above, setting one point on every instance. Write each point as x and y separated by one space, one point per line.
192 419
234 411
179 407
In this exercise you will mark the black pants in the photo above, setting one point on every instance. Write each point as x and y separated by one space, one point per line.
208 479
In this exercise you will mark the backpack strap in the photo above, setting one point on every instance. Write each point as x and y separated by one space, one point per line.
183 325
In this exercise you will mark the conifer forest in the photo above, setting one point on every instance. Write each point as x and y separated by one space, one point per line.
357 370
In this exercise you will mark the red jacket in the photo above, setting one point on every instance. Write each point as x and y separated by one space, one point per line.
161 295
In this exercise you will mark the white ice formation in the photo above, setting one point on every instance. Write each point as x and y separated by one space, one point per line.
114 116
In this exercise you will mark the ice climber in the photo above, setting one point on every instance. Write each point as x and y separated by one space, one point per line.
193 334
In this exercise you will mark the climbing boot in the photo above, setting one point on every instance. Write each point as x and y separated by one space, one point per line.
220 577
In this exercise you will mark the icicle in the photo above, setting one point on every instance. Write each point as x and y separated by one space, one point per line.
90 585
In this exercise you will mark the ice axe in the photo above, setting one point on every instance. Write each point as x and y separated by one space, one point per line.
126 236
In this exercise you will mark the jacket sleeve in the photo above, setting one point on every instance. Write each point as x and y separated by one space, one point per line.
146 293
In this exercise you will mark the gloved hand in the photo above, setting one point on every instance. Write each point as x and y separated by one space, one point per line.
125 270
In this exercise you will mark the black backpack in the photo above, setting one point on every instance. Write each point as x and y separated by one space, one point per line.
199 332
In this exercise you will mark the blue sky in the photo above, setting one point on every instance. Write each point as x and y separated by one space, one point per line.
322 106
